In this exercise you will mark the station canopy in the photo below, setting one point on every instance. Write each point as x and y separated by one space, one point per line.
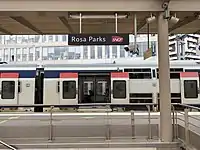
63 16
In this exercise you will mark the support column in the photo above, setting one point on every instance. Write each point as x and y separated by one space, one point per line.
164 80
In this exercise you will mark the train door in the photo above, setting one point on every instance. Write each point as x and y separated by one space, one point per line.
94 88
68 88
102 88
9 88
88 90
189 87
119 88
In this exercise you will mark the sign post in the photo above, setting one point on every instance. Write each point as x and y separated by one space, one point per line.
80 21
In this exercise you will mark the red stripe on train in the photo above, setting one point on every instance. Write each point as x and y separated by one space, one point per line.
189 74
119 75
68 75
9 75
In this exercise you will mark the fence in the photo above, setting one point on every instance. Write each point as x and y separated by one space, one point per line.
188 126
104 127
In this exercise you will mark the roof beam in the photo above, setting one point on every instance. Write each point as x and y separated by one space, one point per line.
185 21
66 23
141 25
197 32
5 31
26 23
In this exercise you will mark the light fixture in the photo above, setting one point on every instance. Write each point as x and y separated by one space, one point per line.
150 19
174 19
98 16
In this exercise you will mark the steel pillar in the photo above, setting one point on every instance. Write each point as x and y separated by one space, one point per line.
164 80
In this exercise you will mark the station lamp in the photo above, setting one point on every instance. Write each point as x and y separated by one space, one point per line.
174 19
151 19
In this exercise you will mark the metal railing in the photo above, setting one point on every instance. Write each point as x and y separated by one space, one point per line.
150 135
189 122
7 145
108 130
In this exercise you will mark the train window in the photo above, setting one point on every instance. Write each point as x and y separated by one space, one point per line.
69 89
8 90
119 89
172 75
139 75
192 70
99 88
154 73
190 89
137 70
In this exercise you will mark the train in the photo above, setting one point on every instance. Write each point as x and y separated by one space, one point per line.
131 82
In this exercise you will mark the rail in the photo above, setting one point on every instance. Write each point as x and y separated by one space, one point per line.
188 121
7 145
148 120
110 125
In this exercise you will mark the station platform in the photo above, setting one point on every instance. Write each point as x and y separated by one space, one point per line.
91 130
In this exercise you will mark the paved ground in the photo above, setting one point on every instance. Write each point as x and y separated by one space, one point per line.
81 127
80 124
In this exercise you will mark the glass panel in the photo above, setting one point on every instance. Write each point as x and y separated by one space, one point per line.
122 51
107 51
190 89
86 90
114 51
102 95
24 55
99 88
69 89
18 54
99 52
119 89
92 52
85 52
8 90
45 54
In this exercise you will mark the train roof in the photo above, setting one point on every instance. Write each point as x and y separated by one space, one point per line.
144 64
128 63
17 65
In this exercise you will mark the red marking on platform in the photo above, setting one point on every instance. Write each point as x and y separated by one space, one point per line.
119 75
9 75
68 75
189 74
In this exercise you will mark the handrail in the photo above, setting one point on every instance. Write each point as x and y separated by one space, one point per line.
7 145
188 106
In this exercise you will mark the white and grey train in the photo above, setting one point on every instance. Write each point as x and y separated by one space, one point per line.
120 84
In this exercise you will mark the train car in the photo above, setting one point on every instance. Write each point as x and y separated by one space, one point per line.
17 84
73 84
125 83
115 83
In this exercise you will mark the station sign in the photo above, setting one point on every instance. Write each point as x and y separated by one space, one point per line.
98 39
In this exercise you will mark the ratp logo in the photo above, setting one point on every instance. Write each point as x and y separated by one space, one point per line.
117 39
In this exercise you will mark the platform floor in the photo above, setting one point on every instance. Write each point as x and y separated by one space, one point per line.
17 126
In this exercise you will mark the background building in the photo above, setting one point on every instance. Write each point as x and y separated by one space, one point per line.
22 48
184 47
54 47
